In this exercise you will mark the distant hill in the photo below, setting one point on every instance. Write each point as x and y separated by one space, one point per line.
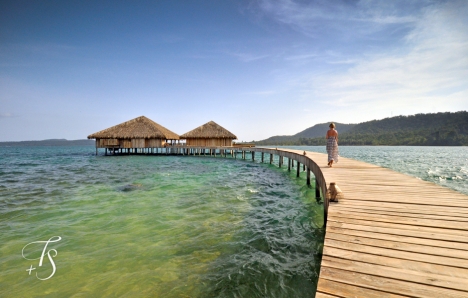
316 131
437 129
50 142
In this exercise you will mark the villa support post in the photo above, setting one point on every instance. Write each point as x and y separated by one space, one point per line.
298 169
253 155
289 164
280 160
317 189
303 167
308 176
262 156
271 158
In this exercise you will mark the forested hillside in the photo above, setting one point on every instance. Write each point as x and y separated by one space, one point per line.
315 131
440 129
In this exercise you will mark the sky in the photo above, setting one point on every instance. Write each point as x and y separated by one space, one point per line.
257 68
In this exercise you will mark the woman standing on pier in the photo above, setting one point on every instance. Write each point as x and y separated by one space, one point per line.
332 145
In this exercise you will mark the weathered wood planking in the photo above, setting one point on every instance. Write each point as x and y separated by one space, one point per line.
392 236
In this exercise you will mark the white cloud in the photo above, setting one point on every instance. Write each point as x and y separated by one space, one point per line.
261 93
427 74
247 57
7 115
361 17
301 57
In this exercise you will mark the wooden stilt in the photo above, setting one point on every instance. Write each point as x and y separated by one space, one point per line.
263 154
298 169
271 158
289 164
317 189
253 156
308 176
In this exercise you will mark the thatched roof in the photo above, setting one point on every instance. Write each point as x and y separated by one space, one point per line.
138 128
210 130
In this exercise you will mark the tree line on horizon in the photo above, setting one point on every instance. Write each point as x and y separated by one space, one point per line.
437 129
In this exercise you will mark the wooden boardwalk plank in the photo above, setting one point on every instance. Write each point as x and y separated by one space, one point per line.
397 218
398 238
402 206
437 233
386 229
382 211
395 262
404 255
332 288
428 249
384 284
429 279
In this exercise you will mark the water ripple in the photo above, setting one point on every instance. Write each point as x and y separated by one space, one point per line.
157 226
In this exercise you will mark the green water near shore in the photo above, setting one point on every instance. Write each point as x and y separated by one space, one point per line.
155 226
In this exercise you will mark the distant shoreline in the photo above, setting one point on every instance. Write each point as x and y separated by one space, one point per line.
50 142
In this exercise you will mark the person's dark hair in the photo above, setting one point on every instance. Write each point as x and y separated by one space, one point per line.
332 125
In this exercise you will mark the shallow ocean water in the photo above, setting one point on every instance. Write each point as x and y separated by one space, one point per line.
154 226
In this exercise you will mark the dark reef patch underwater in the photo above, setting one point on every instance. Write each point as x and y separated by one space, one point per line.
155 226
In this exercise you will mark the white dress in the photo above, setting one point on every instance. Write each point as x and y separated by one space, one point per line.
332 149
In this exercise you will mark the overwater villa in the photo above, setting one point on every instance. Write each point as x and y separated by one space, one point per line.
209 134
137 135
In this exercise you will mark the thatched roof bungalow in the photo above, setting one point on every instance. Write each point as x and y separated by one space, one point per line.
140 132
209 134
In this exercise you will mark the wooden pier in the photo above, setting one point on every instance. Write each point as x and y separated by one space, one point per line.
392 235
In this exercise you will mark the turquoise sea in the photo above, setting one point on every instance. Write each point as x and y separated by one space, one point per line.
173 226
154 226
